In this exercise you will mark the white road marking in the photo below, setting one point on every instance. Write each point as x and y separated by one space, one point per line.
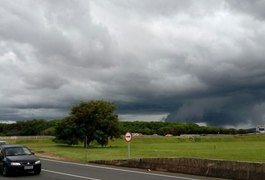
72 175
124 170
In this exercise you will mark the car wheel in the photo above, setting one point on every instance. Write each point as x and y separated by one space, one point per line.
5 171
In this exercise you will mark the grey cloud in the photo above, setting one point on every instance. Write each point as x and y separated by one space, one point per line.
39 81
36 113
253 8
58 32
194 60
239 109
149 9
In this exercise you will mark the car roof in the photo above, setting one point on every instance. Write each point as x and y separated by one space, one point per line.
11 145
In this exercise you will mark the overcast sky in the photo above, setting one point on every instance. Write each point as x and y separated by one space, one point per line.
186 61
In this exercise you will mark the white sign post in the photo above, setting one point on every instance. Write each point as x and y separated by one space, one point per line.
128 138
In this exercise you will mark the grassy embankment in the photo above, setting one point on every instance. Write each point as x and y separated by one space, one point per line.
243 148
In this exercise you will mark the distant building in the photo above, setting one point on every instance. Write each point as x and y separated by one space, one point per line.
260 128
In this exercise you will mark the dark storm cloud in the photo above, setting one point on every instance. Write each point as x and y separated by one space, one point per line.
198 61
253 8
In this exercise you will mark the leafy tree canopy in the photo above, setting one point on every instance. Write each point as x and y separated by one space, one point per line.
91 120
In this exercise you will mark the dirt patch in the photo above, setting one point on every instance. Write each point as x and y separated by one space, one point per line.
52 156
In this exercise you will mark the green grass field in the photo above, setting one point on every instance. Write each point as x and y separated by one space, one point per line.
242 148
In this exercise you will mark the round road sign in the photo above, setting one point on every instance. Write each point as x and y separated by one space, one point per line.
128 136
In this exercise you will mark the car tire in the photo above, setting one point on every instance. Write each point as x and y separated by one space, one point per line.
5 171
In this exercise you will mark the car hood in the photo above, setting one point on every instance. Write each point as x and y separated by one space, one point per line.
23 158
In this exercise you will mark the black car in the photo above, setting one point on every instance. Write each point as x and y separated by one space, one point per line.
17 158
2 143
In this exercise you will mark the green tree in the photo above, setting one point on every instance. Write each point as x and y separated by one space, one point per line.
94 120
67 131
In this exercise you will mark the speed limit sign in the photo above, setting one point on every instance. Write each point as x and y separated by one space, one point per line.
128 136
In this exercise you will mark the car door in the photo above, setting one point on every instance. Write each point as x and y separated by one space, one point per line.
1 159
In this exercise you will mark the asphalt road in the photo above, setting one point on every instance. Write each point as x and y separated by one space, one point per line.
58 170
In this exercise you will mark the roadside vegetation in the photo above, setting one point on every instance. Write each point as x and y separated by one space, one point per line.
92 131
228 147
48 128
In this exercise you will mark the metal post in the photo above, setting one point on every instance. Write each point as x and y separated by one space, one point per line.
129 150
86 149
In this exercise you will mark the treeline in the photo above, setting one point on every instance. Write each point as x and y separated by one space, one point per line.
176 129
29 128
45 127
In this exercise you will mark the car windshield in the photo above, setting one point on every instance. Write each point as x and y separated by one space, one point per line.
15 151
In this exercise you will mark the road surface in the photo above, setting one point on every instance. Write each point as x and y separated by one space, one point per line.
59 170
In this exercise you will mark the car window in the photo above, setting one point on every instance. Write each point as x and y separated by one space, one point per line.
2 142
14 151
